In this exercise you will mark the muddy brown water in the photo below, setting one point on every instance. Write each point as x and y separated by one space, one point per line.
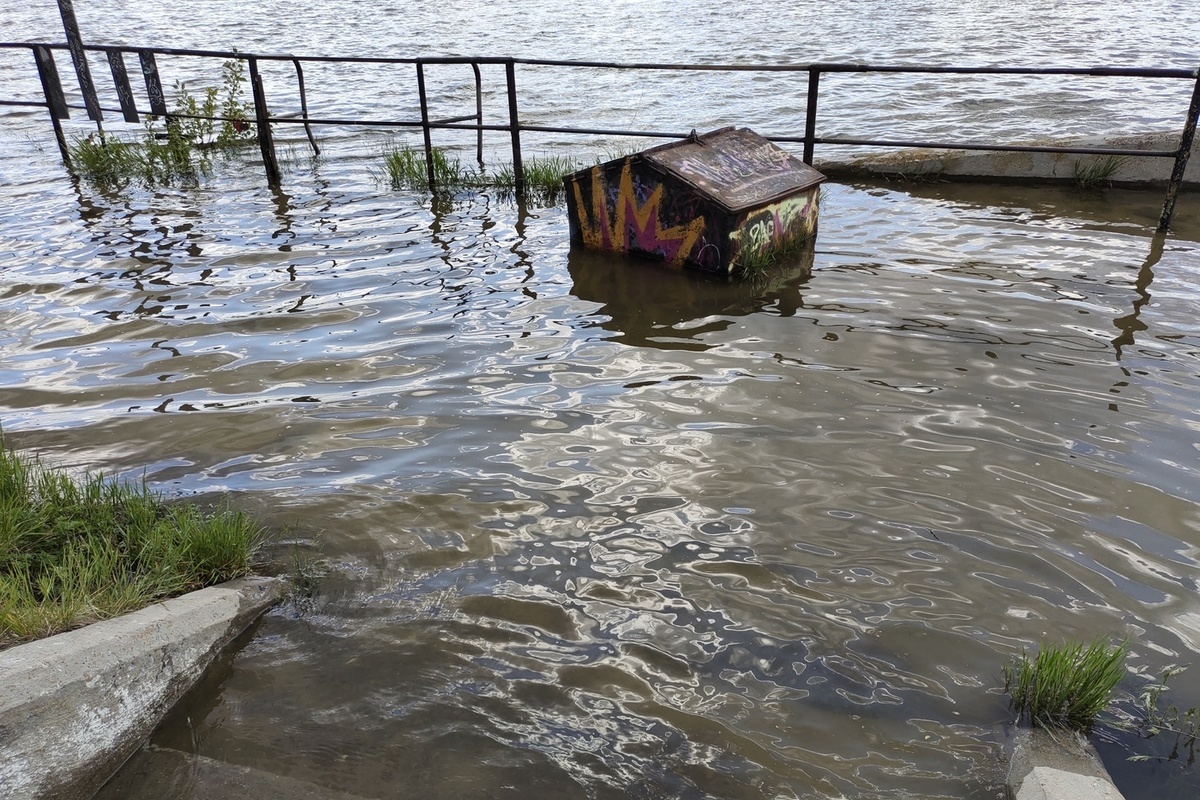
601 530
598 530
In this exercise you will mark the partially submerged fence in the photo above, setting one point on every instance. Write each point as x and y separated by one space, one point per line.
59 109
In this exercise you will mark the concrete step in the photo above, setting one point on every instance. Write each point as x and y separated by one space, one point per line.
1059 765
158 773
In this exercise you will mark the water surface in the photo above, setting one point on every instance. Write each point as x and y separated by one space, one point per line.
599 530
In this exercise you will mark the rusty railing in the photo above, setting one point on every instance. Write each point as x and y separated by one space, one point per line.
56 103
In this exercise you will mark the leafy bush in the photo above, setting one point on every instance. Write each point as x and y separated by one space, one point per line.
180 149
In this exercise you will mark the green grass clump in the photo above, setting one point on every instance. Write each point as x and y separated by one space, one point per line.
106 162
545 175
76 551
1097 173
1067 685
404 167
752 265
157 159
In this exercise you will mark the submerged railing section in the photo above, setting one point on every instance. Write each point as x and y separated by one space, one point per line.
55 101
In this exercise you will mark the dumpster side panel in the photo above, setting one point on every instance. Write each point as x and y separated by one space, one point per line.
764 232
625 206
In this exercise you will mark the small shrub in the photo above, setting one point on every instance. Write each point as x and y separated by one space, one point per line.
1067 685
305 575
180 149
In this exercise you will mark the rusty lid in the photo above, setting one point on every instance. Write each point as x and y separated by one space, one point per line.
736 167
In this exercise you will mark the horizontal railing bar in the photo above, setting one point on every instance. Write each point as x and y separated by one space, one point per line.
296 118
603 132
241 54
1097 71
55 101
450 124
365 123
1082 150
377 123
1135 72
1007 148
217 118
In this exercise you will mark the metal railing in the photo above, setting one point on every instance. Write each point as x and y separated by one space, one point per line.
55 102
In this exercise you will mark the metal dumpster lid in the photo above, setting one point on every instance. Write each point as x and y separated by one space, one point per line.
736 167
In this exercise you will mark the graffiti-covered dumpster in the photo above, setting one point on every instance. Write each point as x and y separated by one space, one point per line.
722 202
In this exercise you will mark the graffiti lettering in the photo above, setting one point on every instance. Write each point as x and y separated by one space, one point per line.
635 223
777 225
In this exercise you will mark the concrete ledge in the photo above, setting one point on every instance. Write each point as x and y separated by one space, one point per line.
73 707
1057 766
919 164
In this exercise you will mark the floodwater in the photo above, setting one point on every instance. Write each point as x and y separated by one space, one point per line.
598 530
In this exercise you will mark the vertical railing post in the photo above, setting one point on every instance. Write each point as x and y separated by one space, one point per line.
810 114
56 104
304 106
478 114
262 118
1181 157
514 125
120 76
425 126
66 10
154 89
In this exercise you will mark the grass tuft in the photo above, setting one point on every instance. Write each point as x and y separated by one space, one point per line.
1067 685
405 168
545 175
77 551
1097 174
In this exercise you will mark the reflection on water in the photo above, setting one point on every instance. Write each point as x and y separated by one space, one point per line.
670 310
600 529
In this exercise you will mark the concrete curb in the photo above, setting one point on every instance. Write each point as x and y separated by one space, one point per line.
920 164
73 707
1061 765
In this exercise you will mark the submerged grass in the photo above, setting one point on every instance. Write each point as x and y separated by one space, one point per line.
1066 685
76 551
1169 720
405 167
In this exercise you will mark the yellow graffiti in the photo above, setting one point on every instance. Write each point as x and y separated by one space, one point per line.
602 233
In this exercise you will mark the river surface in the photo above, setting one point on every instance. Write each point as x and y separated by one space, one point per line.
598 530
